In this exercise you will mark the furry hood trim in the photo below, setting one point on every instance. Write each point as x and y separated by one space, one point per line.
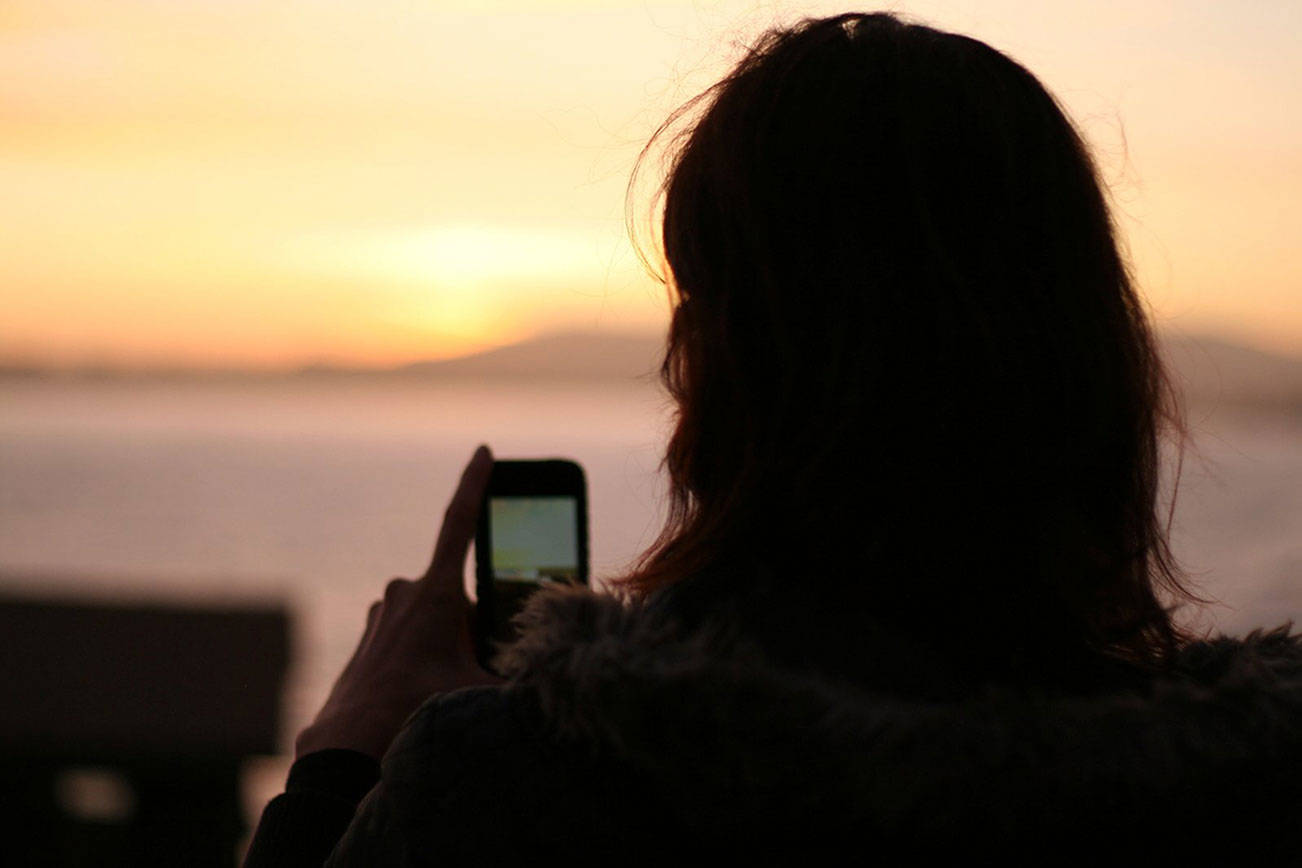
706 718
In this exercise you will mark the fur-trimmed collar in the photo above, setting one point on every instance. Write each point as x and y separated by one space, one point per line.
1216 744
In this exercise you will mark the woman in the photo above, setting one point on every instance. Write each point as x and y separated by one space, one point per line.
913 589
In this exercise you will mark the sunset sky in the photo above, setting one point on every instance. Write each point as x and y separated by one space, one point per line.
276 182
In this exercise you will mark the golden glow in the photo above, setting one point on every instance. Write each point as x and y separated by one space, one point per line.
266 182
467 255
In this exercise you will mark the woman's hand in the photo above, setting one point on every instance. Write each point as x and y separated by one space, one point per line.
417 640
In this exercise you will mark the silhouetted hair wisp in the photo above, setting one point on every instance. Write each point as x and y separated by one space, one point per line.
909 363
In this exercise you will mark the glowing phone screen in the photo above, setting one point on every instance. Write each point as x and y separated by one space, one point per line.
534 539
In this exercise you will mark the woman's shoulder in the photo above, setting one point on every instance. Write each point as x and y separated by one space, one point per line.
616 712
478 776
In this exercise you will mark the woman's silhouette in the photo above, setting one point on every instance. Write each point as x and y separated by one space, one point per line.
914 587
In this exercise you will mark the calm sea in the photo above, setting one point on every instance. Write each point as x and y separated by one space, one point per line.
318 492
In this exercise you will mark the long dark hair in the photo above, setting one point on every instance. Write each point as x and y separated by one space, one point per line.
910 367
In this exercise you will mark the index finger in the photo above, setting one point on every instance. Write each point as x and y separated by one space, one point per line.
459 524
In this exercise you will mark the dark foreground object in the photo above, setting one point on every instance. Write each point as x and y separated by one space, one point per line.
124 729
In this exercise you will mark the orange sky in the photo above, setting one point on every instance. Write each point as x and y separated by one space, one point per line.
270 182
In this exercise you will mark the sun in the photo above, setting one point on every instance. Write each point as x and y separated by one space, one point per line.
460 256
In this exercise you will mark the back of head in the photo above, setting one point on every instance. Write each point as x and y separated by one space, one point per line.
912 374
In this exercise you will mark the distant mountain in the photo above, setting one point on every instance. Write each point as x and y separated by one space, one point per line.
578 356
1209 371
1212 371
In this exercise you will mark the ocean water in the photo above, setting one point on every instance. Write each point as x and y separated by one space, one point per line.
316 493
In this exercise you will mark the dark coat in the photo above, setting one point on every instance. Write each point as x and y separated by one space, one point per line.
623 736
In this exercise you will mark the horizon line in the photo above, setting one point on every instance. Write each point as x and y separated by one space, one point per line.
23 366
20 365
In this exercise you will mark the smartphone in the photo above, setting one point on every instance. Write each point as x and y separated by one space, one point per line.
533 531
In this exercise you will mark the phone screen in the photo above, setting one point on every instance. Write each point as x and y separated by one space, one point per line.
535 540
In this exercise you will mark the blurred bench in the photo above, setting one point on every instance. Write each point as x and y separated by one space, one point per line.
124 728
